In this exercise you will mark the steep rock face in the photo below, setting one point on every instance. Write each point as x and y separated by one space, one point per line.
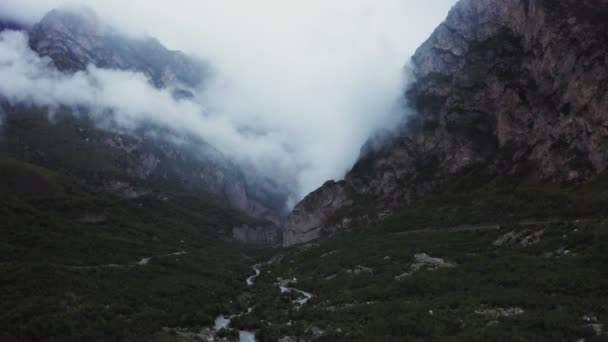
512 85
194 168
307 220
530 76
258 235
75 38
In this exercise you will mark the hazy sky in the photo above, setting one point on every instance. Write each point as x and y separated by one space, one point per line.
320 76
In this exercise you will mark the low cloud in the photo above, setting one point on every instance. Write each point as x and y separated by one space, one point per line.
299 86
128 100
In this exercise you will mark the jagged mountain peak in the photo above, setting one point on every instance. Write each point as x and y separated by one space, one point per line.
74 37
472 21
73 20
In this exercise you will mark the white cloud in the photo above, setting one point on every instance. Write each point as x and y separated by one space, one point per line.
128 95
318 76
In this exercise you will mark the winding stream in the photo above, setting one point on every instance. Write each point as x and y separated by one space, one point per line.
249 281
223 322
301 301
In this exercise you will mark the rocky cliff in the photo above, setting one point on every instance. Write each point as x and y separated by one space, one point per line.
516 87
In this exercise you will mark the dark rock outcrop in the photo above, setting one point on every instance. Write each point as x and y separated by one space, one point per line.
514 86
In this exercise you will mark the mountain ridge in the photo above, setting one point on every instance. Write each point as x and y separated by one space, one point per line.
511 87
76 37
140 162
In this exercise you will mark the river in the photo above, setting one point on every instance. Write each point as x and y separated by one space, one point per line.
223 322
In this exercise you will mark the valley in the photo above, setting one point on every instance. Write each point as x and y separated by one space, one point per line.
518 260
491 289
141 201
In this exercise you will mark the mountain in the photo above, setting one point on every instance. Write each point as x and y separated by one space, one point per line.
9 24
133 164
75 38
481 218
506 94
113 234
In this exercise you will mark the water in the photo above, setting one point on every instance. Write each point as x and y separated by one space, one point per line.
301 301
221 322
247 336
250 279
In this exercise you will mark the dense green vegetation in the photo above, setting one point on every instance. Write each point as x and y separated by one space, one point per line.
68 267
554 290
553 269
57 284
69 258
69 248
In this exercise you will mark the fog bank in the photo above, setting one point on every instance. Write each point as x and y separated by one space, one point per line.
312 79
